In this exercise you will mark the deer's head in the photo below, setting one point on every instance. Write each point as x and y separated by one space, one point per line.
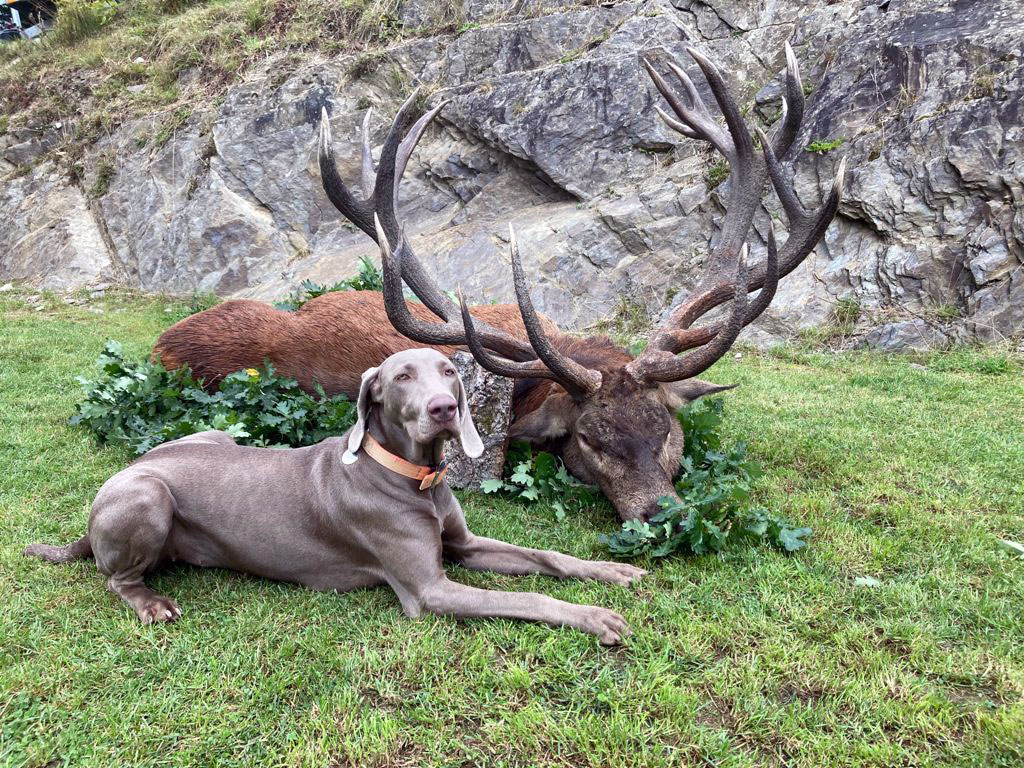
610 414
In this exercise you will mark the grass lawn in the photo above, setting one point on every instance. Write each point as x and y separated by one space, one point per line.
908 475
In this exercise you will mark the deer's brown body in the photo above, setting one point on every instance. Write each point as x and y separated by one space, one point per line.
331 339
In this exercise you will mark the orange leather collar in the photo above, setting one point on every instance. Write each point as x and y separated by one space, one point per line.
428 476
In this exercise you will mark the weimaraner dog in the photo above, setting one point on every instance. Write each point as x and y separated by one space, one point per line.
366 508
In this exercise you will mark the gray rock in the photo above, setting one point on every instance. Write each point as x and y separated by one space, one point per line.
490 402
48 233
904 335
30 146
996 312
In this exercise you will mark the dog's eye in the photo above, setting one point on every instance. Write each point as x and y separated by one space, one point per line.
402 377
449 372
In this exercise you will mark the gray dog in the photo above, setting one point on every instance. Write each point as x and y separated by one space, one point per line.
354 511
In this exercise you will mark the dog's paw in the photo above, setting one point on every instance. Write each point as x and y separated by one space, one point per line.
158 609
618 573
609 627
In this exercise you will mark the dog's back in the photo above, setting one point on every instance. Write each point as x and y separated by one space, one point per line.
281 514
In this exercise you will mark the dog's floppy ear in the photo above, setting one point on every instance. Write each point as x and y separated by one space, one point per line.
355 437
472 445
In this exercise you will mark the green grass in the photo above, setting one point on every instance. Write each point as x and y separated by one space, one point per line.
716 174
748 659
821 146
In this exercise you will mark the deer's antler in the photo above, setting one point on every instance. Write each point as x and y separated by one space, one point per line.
380 190
376 214
516 358
660 361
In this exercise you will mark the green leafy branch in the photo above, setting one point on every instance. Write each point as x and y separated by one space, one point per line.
141 404
368 278
713 505
541 477
713 491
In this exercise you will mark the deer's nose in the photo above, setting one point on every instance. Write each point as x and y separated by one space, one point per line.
442 408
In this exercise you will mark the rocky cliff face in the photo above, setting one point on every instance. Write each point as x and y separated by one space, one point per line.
551 126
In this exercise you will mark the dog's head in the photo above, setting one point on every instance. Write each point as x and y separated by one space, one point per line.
420 390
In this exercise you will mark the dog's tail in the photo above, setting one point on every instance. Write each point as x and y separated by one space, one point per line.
76 550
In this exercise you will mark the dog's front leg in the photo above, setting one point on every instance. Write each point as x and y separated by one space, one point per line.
410 560
450 598
482 554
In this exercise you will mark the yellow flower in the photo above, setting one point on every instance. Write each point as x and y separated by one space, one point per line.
253 372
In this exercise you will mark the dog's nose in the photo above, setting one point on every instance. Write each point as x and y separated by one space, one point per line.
442 407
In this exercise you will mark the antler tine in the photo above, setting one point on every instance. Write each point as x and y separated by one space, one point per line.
375 186
663 365
412 138
450 332
801 241
675 125
805 229
533 369
787 196
743 144
394 158
394 299
747 172
404 152
771 280
691 90
792 106
369 176
386 184
359 212
578 380
695 116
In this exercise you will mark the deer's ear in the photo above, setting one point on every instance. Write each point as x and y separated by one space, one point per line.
553 419
675 394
